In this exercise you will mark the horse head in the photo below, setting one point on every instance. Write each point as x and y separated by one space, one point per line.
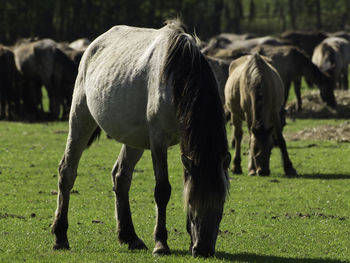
261 143
204 206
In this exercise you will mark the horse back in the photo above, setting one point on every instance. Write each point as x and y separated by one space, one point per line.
257 87
119 75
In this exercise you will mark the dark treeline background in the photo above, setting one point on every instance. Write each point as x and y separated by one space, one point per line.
71 19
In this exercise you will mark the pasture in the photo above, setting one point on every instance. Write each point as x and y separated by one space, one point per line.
266 219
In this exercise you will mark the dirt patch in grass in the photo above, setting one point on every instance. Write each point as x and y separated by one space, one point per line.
315 108
340 133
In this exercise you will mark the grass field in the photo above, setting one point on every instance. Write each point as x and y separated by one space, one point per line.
272 219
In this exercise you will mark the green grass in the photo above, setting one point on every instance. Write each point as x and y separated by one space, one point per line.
272 219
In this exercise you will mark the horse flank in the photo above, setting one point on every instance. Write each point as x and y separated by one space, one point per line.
200 116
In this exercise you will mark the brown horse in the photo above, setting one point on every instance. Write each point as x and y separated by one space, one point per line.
43 61
245 45
223 40
9 97
305 40
254 92
220 68
333 57
291 64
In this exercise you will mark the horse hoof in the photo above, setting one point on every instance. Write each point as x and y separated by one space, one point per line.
137 245
263 173
291 172
161 250
252 173
61 246
237 170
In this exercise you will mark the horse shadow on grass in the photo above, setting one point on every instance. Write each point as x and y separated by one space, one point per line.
250 258
254 258
322 176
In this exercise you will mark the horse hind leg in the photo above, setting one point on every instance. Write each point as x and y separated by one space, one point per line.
297 88
287 163
237 138
82 127
121 177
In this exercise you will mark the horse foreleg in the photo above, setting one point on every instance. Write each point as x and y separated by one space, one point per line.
162 193
54 106
237 135
286 91
81 128
297 87
345 81
121 177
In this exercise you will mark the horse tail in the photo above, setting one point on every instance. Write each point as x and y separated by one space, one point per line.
256 66
95 136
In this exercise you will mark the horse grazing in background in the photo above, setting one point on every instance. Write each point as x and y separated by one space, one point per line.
9 94
332 56
305 40
44 63
220 68
223 41
254 92
292 64
242 45
148 89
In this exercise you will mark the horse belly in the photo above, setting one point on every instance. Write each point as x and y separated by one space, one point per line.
121 115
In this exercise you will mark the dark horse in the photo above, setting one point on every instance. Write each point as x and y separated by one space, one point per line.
9 97
148 89
292 63
306 40
42 62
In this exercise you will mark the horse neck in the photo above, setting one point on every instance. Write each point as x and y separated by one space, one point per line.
311 72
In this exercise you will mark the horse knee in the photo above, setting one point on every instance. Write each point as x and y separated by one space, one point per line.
66 176
162 193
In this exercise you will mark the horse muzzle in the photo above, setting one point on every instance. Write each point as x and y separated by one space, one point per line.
198 252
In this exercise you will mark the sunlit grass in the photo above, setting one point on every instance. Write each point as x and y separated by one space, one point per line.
272 219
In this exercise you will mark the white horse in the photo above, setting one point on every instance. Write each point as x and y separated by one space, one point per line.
148 89
332 56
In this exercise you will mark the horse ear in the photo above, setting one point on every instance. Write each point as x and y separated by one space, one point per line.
227 160
187 162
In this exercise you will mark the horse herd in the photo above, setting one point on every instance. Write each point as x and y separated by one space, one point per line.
153 88
31 64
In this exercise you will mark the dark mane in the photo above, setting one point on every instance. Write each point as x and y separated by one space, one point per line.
200 115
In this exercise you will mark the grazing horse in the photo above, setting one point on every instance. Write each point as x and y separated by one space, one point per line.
306 41
220 68
149 89
292 63
45 63
223 40
254 92
9 95
243 45
332 56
